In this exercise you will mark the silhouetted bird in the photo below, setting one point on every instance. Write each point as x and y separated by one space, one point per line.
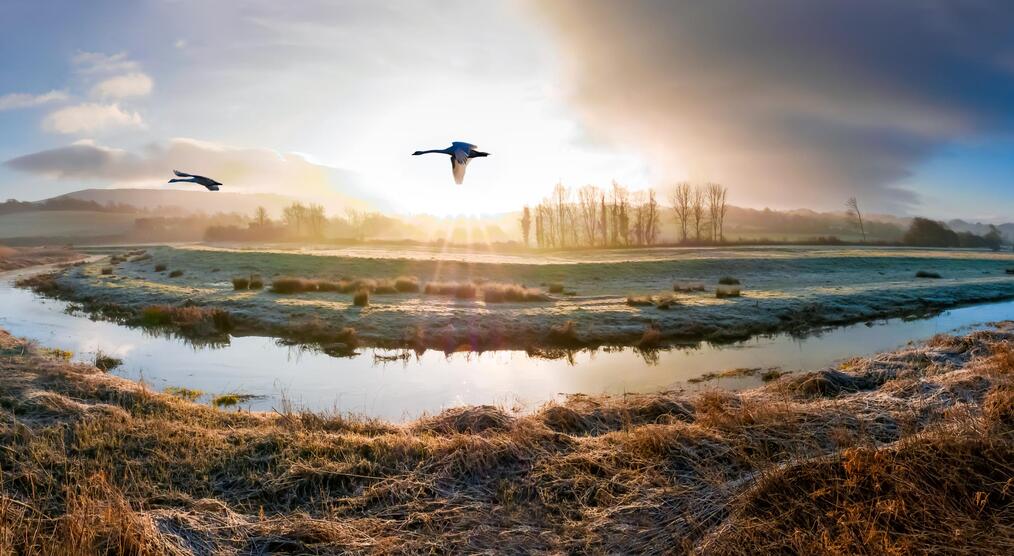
460 153
211 184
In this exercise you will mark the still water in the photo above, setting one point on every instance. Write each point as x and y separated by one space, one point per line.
403 388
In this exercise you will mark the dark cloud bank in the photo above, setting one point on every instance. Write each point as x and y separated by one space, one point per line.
790 102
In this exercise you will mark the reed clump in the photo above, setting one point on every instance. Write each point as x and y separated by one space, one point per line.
105 361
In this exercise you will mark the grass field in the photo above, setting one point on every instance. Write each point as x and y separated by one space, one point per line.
468 304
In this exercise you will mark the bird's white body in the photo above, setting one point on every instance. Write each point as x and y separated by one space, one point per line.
460 153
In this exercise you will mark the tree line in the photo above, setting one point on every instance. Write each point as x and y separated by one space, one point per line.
620 217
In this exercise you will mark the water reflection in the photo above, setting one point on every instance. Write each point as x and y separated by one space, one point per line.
401 384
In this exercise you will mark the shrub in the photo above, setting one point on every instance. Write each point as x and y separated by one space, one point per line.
190 319
406 284
361 298
665 303
325 286
105 362
724 291
256 282
728 281
231 399
240 283
651 338
159 268
688 286
460 290
564 333
555 287
499 293
1010 271
384 287
183 393
289 284
772 374
176 274
640 300
107 270
927 274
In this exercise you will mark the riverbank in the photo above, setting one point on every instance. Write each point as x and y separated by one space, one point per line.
908 451
12 258
455 305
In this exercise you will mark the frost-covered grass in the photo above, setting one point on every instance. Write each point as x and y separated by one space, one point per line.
906 452
790 289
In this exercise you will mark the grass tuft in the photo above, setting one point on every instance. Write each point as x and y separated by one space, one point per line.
188 394
640 301
728 281
176 274
927 274
106 362
723 291
160 268
361 298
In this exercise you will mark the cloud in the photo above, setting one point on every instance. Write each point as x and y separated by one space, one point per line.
90 118
788 102
97 62
26 100
123 86
240 169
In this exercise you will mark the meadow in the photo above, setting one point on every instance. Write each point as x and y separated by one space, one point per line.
459 301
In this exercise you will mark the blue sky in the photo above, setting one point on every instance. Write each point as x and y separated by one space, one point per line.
906 105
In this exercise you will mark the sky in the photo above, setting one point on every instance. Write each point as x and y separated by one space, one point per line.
907 105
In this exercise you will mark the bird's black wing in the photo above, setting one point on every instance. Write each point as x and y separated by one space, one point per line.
184 175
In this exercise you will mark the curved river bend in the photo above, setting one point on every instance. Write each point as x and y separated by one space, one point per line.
398 386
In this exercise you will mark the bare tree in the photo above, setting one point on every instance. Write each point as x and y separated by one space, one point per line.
561 197
261 216
716 209
679 199
316 220
603 221
852 206
294 216
357 222
651 219
587 198
697 210
620 220
526 224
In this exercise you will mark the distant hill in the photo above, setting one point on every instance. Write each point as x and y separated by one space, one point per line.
175 201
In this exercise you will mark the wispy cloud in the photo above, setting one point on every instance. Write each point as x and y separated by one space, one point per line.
13 101
241 169
98 62
91 118
123 86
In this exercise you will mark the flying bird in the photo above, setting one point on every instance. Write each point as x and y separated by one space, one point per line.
461 153
211 184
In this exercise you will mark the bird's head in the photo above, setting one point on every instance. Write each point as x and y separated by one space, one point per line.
417 153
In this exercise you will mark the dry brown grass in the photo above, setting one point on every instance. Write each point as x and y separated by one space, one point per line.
12 259
94 464
500 293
